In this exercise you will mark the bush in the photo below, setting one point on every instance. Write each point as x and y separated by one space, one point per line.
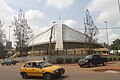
118 58
68 60
110 59
59 60
76 59
115 58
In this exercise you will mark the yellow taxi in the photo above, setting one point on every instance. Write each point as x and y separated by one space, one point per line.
41 69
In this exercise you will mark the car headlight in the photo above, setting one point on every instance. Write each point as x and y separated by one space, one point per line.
56 71
86 60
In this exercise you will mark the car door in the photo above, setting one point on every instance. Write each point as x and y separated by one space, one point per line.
97 59
36 70
33 70
28 69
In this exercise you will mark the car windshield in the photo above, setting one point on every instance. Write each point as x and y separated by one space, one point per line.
89 57
45 64
8 60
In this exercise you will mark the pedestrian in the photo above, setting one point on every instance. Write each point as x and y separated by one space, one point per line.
44 58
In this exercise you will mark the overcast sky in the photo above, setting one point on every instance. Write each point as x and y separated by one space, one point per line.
41 13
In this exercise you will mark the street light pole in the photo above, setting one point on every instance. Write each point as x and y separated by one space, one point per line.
33 46
106 32
50 38
9 43
107 36
9 32
119 5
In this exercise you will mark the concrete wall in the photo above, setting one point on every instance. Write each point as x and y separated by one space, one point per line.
47 58
52 58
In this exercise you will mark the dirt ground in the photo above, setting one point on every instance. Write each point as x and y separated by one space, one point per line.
113 66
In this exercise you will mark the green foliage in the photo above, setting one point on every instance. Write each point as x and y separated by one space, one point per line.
115 58
68 60
22 32
76 59
118 58
115 45
59 60
110 59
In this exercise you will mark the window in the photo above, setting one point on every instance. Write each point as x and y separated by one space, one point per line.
35 65
28 65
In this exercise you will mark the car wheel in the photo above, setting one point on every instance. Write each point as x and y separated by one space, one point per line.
81 65
24 75
14 64
90 64
104 63
96 65
48 76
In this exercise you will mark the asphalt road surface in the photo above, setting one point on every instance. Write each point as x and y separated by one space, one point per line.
73 72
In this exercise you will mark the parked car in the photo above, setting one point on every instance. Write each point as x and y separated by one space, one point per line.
41 69
91 60
8 61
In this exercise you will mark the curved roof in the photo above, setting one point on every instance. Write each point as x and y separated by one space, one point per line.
68 35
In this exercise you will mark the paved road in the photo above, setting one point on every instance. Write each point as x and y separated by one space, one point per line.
73 72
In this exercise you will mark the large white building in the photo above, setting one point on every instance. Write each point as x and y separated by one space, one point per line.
62 37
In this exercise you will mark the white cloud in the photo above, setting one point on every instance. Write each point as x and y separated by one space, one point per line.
60 3
113 37
34 16
6 13
106 10
37 30
102 36
6 16
71 23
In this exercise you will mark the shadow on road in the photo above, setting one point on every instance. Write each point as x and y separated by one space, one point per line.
61 77
41 78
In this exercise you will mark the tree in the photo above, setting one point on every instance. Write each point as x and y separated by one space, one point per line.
115 45
2 40
91 31
22 32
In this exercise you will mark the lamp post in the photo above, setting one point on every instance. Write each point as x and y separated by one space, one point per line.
33 46
9 42
50 38
119 5
9 38
9 32
107 36
106 32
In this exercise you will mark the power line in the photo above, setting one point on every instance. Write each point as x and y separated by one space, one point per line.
101 28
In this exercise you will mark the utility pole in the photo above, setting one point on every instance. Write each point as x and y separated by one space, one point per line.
119 5
33 45
50 38
106 32
49 50
107 36
9 32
